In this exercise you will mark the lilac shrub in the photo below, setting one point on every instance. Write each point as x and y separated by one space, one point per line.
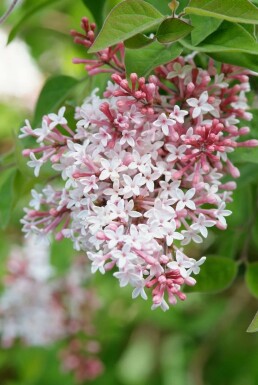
144 171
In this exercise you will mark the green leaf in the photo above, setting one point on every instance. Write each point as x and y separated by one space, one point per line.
96 9
126 20
217 274
161 5
251 277
172 29
138 41
27 15
253 327
203 27
53 93
241 11
135 365
229 37
6 194
144 60
246 60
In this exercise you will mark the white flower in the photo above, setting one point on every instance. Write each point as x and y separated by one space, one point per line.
149 177
132 186
123 256
190 235
178 115
114 237
175 152
201 225
103 136
57 118
182 263
164 123
42 132
35 163
220 213
90 183
111 169
37 199
170 233
128 137
140 161
184 199
195 267
200 105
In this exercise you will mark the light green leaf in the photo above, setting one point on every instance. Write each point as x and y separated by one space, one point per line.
6 194
203 27
217 274
135 365
144 60
172 29
241 11
138 41
96 9
229 37
54 92
253 327
251 277
28 14
126 20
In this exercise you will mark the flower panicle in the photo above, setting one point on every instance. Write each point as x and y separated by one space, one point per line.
143 173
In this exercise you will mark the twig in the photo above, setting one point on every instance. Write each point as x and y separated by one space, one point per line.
8 12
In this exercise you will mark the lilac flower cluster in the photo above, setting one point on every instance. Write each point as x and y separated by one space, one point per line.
39 308
143 171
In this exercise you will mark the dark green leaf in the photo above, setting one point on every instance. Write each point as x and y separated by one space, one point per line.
242 60
172 29
217 273
126 20
144 60
253 327
241 11
251 278
96 9
28 14
54 92
203 27
138 41
6 194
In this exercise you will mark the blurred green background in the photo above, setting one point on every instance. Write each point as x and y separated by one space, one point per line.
200 342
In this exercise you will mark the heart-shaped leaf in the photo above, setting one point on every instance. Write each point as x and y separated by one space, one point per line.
241 11
172 29
144 60
127 19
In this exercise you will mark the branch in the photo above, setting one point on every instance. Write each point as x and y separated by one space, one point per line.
8 12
